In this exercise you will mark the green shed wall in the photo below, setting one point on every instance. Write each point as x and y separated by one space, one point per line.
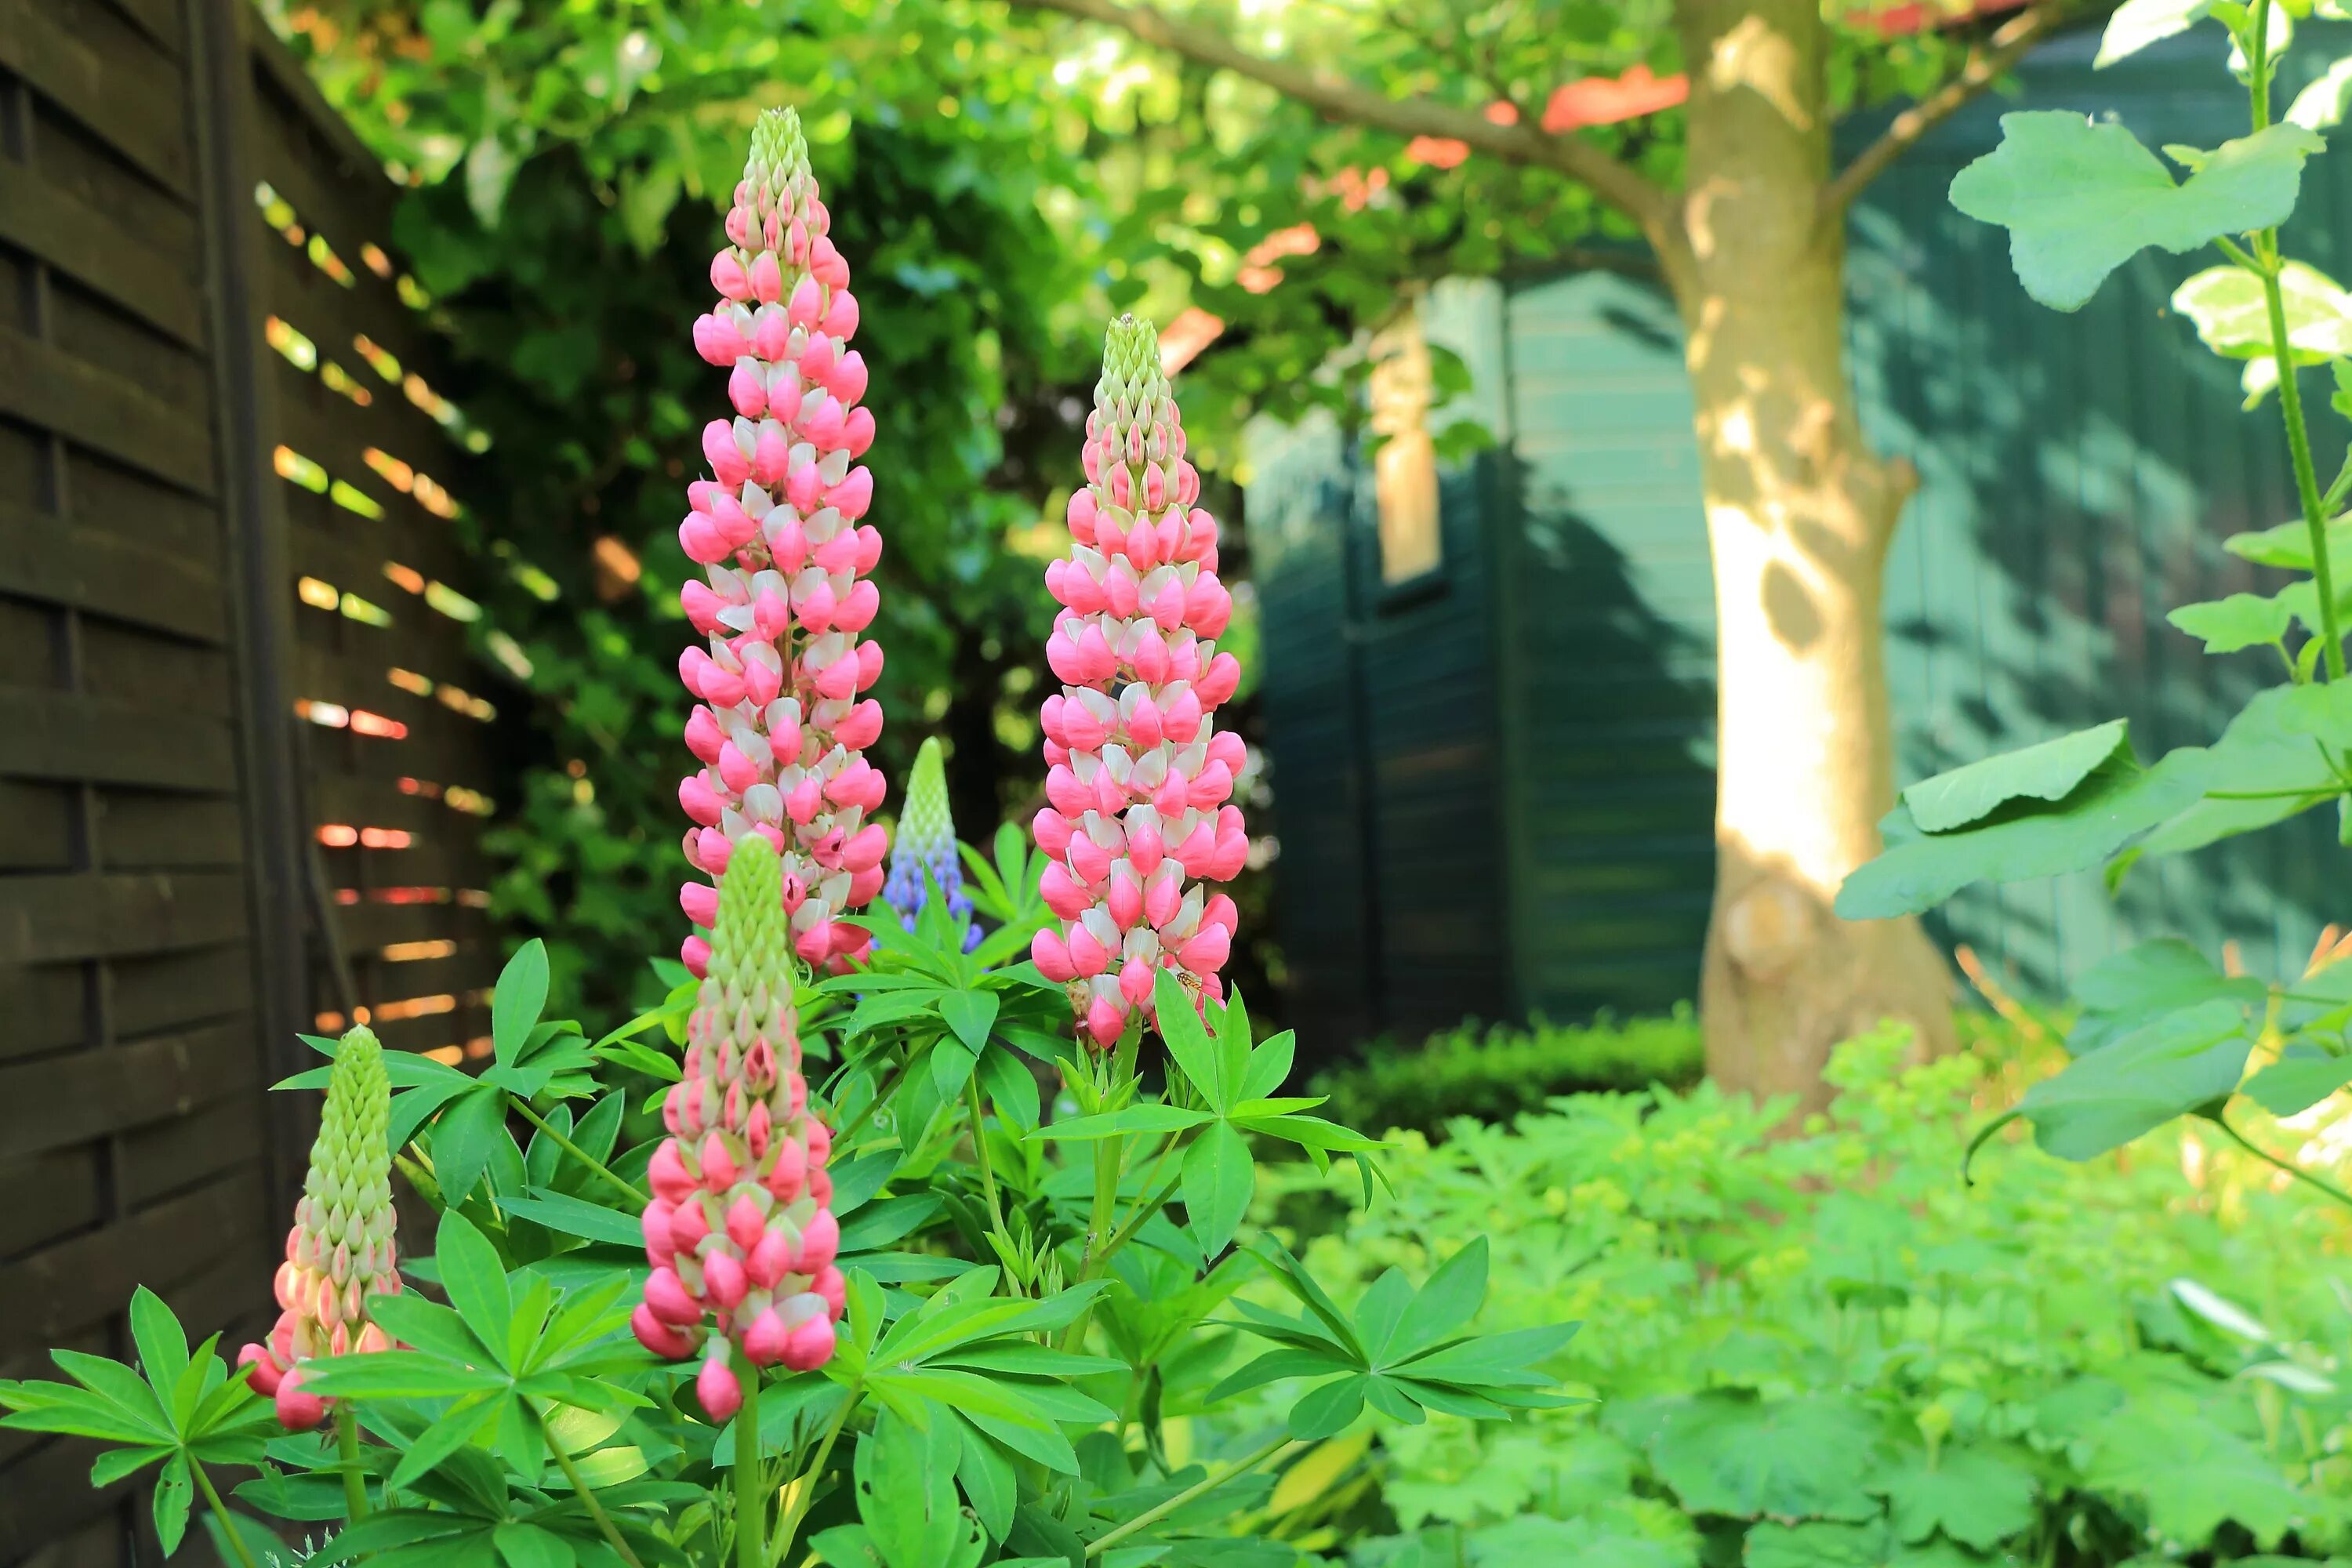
2078 473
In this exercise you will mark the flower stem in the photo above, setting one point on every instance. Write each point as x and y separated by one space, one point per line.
347 1446
220 1511
789 1526
577 1152
563 1461
1200 1488
750 1506
2319 1183
980 1152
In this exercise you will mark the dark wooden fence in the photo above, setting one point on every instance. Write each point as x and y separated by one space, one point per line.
244 752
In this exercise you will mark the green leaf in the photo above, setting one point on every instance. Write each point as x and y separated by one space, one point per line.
576 1216
2136 23
2081 197
1220 1179
2288 544
1188 1042
2049 772
971 1015
1979 1497
2192 1473
175 1491
465 1137
2171 1067
517 1003
473 1280
1327 1410
2231 312
1729 1453
2026 838
443 1438
1269 1066
2125 989
524 1545
988 1481
905 1500
2321 104
1445 1303
1010 1087
2299 1080
2240 621
2279 742
162 1354
1147 1118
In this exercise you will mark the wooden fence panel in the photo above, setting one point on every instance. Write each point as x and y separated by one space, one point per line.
246 753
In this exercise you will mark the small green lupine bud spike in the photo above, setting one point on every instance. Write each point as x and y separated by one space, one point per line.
925 847
342 1249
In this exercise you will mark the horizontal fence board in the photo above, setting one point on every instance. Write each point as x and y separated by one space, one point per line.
47 388
57 1100
141 830
55 1291
46 919
59 735
134 105
310 411
371 926
351 551
101 254
106 575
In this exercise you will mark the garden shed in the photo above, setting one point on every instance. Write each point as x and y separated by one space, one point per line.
1490 709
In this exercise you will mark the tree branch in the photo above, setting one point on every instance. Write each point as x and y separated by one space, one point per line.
1987 64
1336 98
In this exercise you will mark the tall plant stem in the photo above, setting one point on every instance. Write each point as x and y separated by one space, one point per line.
2319 1183
789 1526
750 1501
577 1152
220 1511
1200 1488
587 1494
347 1446
980 1152
2298 438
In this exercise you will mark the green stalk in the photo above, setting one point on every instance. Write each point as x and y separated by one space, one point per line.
2298 438
750 1506
1206 1485
347 1446
980 1151
2319 1183
577 1152
789 1526
587 1494
221 1512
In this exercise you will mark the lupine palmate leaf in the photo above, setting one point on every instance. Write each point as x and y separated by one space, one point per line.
2178 1063
2081 197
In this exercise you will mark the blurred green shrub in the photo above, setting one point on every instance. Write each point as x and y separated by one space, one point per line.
1824 1351
1493 1073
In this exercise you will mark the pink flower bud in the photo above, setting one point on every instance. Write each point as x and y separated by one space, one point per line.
862 728
723 1280
770 333
856 612
302 1412
701 606
1220 681
667 1298
1104 1021
807 301
1087 956
1135 978
1051 954
834 1288
727 276
701 802
841 317
810 1346
747 389
745 1222
853 495
765 1340
702 543
767 278
857 431
659 1247
695 953
771 454
847 382
717 341
716 1387
688 1225
658 1337
1052 831
726 459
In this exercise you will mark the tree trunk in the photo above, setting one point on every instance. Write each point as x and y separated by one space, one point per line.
1800 514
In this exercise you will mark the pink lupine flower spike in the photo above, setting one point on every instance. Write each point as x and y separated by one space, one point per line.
1140 817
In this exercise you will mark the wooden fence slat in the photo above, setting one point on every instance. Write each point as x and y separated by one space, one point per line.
62 1289
46 919
47 387
58 735
139 118
371 926
106 575
57 1100
95 250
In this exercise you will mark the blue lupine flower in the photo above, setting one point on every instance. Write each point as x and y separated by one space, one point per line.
926 843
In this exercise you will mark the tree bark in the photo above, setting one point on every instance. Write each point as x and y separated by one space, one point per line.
1800 513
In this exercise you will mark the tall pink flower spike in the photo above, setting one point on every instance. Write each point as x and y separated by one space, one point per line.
783 726
740 1230
1139 775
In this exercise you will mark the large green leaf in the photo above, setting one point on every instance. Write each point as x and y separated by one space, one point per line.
1728 1453
2193 1475
516 1004
2025 837
2231 312
1979 1497
2136 23
2298 1080
1219 1179
2175 1065
907 1499
2080 197
2233 623
2125 989
2279 743
2049 770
